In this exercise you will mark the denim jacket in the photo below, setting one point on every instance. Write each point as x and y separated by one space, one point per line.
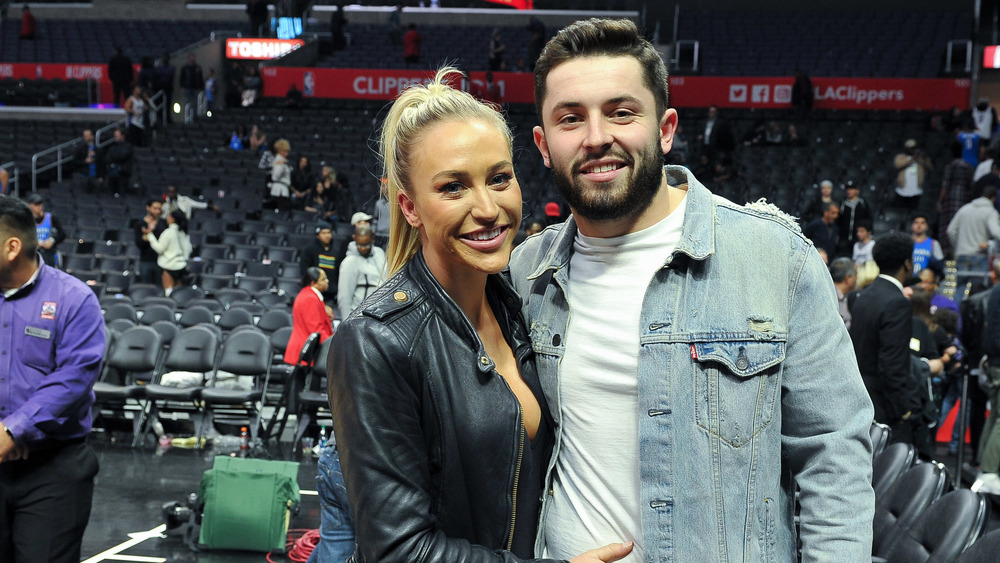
748 385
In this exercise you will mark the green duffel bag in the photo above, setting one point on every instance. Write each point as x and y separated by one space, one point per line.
247 504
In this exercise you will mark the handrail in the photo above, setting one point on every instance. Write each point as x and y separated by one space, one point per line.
14 180
60 160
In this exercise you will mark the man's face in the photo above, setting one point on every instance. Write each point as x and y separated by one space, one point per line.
863 234
919 226
37 209
88 136
172 192
154 209
119 136
602 137
852 193
364 244
831 214
325 236
927 280
713 112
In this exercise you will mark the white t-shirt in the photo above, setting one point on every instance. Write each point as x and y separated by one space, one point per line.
596 491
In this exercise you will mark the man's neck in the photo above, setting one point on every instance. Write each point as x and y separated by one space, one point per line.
22 271
920 238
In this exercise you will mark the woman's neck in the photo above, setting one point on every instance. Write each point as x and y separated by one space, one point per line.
467 290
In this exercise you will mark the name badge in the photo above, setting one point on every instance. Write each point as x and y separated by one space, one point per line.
38 332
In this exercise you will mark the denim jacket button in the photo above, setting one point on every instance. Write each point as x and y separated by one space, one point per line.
556 340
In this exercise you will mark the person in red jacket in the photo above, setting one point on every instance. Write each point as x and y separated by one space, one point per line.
309 314
28 24
411 45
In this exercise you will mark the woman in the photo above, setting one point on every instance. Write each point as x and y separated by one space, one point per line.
309 314
317 202
281 174
173 247
440 422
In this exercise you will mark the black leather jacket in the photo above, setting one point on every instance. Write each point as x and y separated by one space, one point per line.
427 431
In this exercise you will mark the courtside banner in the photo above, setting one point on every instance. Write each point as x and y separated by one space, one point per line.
828 93
519 4
380 84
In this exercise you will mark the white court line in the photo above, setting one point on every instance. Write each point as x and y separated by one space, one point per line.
138 558
314 493
137 538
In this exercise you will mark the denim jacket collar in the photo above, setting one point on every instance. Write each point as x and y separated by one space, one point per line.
697 231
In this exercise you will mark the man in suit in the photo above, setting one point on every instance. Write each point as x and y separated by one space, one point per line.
881 328
717 136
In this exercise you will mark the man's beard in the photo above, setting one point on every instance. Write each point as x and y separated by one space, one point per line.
629 197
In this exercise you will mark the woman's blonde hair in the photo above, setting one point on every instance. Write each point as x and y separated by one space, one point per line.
867 273
282 145
416 109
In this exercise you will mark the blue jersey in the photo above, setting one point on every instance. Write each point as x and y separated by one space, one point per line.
923 252
970 147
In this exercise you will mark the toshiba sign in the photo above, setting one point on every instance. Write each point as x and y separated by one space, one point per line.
260 49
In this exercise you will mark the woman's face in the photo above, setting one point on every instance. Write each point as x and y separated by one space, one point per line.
320 188
323 283
170 219
464 199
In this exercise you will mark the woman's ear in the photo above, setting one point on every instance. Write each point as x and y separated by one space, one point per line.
409 210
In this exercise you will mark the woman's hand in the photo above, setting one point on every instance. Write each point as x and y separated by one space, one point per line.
610 552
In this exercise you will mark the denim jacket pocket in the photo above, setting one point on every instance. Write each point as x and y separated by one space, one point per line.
736 387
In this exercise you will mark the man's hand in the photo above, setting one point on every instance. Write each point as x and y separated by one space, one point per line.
610 552
46 244
9 449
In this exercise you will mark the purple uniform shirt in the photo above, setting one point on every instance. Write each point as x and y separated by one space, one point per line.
51 347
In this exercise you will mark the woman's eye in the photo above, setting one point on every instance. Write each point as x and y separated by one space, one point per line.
451 187
499 179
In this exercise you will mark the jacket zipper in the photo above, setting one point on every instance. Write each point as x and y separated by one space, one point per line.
517 477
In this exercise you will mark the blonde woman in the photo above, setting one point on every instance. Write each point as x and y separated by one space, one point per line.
441 425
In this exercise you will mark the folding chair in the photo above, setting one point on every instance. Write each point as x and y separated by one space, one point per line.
135 352
245 353
288 403
195 350
312 397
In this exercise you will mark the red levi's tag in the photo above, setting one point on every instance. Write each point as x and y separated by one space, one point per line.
694 352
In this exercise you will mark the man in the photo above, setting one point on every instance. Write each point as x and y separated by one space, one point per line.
193 83
85 160
844 272
149 272
49 231
121 73
28 23
411 45
380 221
717 136
823 231
912 166
930 280
50 357
854 211
984 119
320 253
972 228
881 328
925 249
981 334
175 200
726 384
361 271
119 159
163 80
862 251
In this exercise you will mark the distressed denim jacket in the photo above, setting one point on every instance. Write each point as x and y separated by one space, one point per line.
748 385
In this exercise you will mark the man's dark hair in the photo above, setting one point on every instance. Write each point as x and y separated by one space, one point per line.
935 267
17 221
866 224
989 192
595 37
841 268
152 200
956 149
921 216
312 275
892 251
